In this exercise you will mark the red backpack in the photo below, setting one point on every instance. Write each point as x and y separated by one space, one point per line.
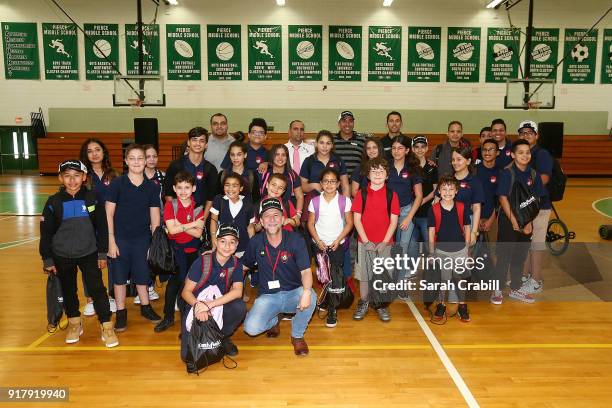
437 212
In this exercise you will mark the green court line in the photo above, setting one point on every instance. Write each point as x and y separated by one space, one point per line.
603 206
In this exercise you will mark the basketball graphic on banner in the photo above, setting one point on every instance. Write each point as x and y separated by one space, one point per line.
305 49
541 52
502 53
102 48
345 50
183 48
224 51
463 51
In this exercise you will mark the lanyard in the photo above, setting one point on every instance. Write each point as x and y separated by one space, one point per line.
270 260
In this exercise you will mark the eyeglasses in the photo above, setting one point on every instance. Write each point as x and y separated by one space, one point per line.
325 182
526 133
489 150
258 133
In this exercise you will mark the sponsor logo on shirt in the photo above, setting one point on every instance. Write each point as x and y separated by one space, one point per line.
404 174
200 175
106 182
463 184
284 256
331 164
493 179
508 153
258 159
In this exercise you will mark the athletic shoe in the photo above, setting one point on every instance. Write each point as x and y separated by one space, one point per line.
524 279
522 296
75 329
463 313
164 325
497 297
153 295
108 335
148 313
229 347
176 308
439 316
89 309
362 310
332 318
383 314
112 304
136 300
121 320
532 286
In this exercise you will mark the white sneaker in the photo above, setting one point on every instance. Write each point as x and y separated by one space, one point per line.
153 295
532 286
522 296
136 300
497 297
176 309
113 305
89 309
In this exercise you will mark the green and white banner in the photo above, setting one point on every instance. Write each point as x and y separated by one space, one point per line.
345 53
385 53
581 56
424 54
20 42
606 61
61 51
150 49
265 53
544 53
224 52
184 52
305 53
463 54
101 51
503 49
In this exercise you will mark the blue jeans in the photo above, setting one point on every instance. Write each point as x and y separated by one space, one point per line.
406 239
264 313
422 232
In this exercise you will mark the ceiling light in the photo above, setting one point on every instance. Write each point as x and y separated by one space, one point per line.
495 3
387 3
280 2
172 2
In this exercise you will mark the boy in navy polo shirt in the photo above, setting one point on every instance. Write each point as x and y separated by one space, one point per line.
513 242
225 272
132 212
285 278
488 174
498 131
256 152
73 232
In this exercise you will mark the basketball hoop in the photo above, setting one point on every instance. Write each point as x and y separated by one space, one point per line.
135 102
534 105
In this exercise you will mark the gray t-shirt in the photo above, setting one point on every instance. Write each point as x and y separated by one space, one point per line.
217 149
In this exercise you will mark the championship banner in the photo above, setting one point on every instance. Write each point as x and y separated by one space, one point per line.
101 51
305 53
463 54
581 55
265 53
606 61
183 52
544 53
424 54
344 53
503 49
61 51
20 42
150 49
224 52
385 53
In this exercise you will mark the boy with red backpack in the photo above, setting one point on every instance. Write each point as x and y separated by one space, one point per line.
449 238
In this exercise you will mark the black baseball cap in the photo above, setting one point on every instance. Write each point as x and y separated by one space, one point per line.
419 139
345 114
228 230
270 203
72 164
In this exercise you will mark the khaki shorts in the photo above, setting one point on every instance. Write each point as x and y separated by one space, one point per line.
362 270
540 226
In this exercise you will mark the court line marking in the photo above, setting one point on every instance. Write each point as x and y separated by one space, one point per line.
7 218
20 243
446 361
597 209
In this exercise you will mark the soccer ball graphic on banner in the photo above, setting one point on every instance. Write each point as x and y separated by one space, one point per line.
224 51
541 52
102 48
424 51
580 52
183 48
463 51
345 50
305 49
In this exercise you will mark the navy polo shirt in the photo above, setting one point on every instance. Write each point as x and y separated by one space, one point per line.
205 183
542 162
402 182
358 178
99 187
254 158
293 182
504 156
312 167
218 274
450 237
132 212
241 220
489 178
470 192
292 260
525 177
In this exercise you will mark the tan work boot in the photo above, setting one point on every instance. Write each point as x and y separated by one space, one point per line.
108 335
75 329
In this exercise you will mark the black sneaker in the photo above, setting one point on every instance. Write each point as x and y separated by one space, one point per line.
463 314
439 317
121 320
148 313
164 325
229 347
332 318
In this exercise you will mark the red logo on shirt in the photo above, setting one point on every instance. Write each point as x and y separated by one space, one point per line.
529 181
331 164
200 175
258 159
463 184
284 256
222 274
404 174
507 152
493 179
106 182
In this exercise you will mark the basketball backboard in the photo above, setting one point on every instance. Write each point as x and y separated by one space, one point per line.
139 90
530 94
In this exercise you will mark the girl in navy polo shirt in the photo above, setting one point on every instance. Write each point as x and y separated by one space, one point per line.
279 156
256 151
371 149
405 180
470 193
96 158
233 208
310 173
238 155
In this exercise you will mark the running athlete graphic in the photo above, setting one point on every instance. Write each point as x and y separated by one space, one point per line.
59 47
382 49
263 48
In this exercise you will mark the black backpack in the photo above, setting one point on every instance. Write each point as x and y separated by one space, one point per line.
55 303
556 184
364 197
336 293
523 202
204 345
161 256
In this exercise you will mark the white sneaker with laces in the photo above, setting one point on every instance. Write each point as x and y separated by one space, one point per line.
136 300
522 296
153 295
89 309
497 298
532 286
113 305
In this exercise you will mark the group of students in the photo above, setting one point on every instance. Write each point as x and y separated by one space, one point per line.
267 212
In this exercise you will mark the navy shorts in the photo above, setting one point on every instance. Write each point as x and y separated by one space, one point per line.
132 262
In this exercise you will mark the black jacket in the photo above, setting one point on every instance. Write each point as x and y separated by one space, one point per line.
209 181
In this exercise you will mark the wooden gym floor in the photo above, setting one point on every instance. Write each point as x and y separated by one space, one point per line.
554 353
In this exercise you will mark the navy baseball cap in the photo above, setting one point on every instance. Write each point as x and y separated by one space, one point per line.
528 124
228 230
270 203
345 114
72 165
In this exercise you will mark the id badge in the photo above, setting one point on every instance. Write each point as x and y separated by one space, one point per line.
275 284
